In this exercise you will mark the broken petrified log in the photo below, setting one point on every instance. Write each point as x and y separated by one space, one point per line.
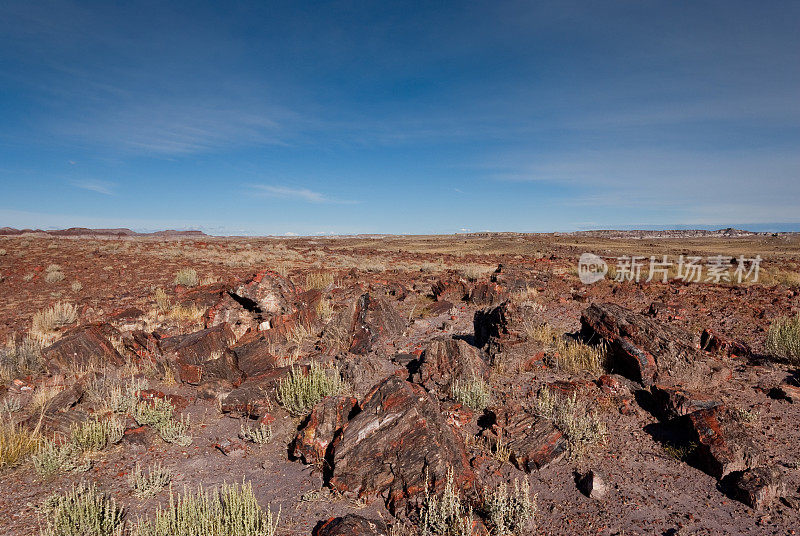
351 525
397 440
723 444
203 355
648 351
83 347
447 360
321 427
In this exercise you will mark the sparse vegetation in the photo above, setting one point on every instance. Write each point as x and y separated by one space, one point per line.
53 274
76 286
83 511
16 443
581 425
568 355
47 320
159 414
52 458
260 436
96 434
474 393
18 359
231 511
187 277
783 339
300 390
149 484
474 272
319 280
445 515
509 514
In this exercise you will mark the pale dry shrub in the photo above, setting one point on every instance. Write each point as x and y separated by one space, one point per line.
83 511
230 511
52 458
445 515
325 310
21 358
473 272
47 320
474 393
783 339
96 434
149 484
300 391
260 435
16 442
319 280
509 513
581 425
162 300
187 277
53 274
76 286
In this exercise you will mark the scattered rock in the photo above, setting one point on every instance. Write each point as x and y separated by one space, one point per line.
351 525
759 487
724 445
593 486
447 360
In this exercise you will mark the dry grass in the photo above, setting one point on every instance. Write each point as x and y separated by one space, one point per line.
581 425
16 442
187 277
570 356
319 280
48 320
474 272
783 339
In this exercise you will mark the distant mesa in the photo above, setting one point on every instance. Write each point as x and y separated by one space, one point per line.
83 231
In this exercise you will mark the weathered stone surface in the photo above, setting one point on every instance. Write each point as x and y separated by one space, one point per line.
318 431
266 293
387 448
253 356
253 397
673 402
142 344
712 341
492 326
351 525
487 293
370 324
724 445
534 442
647 351
82 347
593 486
758 487
450 290
229 311
203 355
362 372
447 360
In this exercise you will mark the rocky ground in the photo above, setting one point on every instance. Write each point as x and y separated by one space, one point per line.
692 425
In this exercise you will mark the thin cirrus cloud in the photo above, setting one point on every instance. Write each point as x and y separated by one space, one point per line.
300 194
100 187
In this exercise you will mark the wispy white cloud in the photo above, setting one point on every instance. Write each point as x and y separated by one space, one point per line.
101 187
301 194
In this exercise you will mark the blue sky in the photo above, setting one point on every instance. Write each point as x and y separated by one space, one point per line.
389 117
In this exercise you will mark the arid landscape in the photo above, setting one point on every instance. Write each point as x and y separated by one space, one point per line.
398 385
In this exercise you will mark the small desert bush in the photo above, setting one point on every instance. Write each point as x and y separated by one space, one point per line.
445 515
96 434
187 277
53 274
83 511
76 286
581 425
148 484
159 414
299 335
59 315
570 356
16 443
20 358
474 393
299 391
260 436
231 511
325 310
509 514
52 458
336 337
162 300
319 280
783 339
473 272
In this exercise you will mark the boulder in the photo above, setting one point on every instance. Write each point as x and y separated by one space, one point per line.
203 355
487 293
673 402
254 396
758 487
712 341
266 293
368 324
723 444
320 428
351 525
254 356
648 351
450 290
533 442
593 486
492 327
363 372
83 347
399 439
446 360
